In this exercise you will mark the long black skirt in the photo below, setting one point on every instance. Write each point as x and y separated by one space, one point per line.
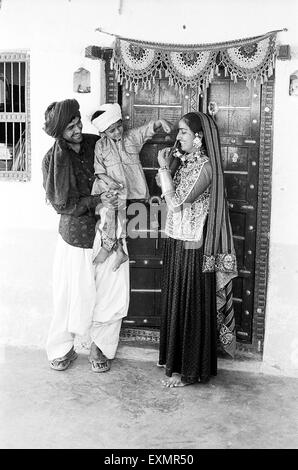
188 338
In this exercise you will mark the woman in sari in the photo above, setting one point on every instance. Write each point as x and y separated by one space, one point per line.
199 260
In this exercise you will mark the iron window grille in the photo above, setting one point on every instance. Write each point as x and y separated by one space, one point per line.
15 144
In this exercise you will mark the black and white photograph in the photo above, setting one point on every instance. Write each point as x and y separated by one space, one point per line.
149 235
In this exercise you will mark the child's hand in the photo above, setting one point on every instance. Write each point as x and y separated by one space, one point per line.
167 127
112 184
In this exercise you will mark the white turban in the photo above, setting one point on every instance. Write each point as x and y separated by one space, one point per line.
112 113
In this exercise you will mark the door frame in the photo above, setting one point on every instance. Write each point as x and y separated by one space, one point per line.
113 94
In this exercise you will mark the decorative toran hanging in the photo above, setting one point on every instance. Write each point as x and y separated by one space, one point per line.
139 63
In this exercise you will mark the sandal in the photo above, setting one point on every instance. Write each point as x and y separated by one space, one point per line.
100 366
62 363
101 363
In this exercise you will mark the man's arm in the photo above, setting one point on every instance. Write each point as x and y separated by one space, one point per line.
82 206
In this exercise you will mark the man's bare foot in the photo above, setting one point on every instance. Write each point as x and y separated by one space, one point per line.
101 256
174 381
95 352
121 257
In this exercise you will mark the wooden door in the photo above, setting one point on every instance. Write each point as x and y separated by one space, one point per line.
145 253
238 120
245 120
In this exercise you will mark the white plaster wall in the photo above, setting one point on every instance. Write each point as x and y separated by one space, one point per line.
281 322
56 33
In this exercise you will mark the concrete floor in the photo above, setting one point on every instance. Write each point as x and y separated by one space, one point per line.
127 408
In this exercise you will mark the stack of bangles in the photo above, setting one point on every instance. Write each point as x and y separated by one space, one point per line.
167 186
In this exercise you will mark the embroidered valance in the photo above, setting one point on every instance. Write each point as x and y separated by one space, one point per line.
138 63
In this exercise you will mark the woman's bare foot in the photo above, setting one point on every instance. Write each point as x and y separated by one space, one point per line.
121 257
101 256
174 381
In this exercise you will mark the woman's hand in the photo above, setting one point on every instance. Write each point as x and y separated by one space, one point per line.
164 157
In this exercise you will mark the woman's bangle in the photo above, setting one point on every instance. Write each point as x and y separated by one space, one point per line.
164 168
170 192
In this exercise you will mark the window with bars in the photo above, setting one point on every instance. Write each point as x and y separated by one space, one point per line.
14 116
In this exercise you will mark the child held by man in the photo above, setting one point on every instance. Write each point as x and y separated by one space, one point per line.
119 171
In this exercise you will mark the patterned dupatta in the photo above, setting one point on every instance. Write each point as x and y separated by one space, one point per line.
219 253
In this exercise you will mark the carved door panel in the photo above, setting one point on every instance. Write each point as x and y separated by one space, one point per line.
162 101
238 119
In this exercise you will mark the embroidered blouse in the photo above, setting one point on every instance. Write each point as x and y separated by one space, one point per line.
120 160
79 231
188 205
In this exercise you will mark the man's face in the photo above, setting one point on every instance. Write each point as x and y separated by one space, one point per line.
115 131
73 131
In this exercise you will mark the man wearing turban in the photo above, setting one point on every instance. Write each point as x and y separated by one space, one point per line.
82 293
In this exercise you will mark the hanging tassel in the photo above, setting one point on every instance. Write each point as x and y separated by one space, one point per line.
159 73
226 71
150 85
217 70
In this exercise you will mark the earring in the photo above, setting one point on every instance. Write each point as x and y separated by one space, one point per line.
197 142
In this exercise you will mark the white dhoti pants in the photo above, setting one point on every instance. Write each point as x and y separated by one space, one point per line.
86 297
